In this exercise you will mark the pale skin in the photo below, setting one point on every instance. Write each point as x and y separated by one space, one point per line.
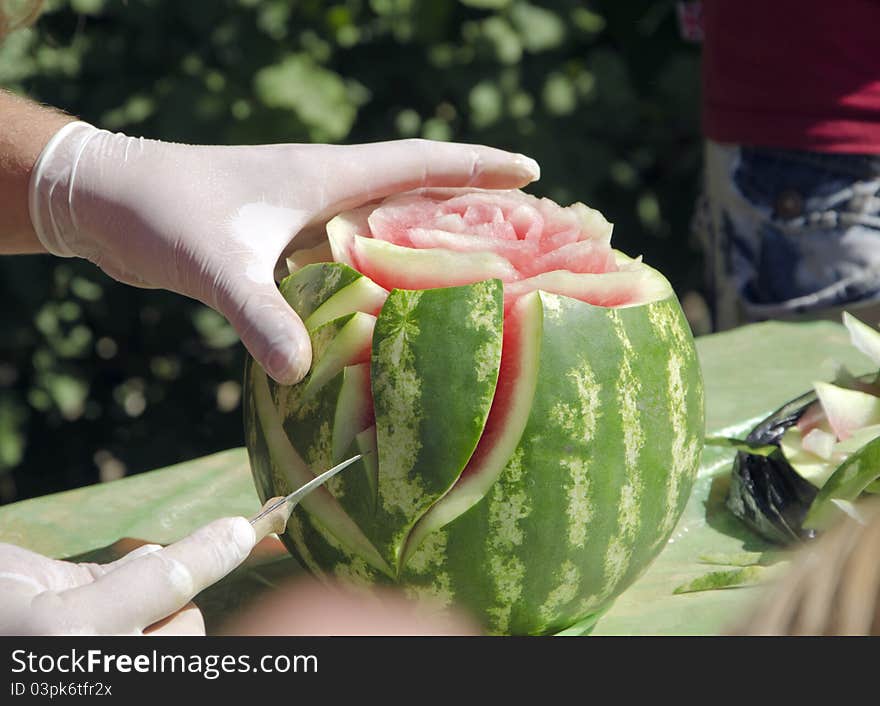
210 223
27 127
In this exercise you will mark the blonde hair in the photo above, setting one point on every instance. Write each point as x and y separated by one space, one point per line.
15 14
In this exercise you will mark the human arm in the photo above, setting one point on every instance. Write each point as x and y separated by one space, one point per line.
25 128
211 222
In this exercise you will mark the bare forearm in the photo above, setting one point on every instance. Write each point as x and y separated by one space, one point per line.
25 128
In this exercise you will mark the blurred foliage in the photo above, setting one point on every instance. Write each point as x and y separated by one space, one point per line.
98 379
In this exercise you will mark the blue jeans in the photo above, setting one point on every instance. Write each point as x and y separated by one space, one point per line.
789 234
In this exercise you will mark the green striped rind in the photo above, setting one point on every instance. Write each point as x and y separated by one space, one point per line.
618 396
672 426
335 345
307 289
306 534
325 291
268 478
262 469
286 469
361 295
324 535
298 400
312 435
434 368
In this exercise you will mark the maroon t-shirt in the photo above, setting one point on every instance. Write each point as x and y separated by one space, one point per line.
796 74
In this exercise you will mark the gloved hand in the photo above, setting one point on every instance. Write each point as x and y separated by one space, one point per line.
42 596
212 222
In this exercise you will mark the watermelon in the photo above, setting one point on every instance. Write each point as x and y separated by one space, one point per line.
528 400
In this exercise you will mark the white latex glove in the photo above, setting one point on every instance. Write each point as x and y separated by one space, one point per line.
42 596
212 222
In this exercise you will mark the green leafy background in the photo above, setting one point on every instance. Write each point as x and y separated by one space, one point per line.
99 380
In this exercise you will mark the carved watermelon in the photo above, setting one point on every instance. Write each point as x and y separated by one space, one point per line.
531 397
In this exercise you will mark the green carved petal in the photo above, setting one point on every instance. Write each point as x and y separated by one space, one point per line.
484 469
361 295
357 486
369 448
341 342
324 291
354 409
434 368
308 288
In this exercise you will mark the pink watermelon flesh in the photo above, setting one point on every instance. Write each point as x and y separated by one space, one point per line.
505 223
447 237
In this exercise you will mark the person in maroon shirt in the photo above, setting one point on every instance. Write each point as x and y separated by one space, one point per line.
790 214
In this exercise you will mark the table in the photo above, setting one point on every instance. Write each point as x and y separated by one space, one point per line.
748 373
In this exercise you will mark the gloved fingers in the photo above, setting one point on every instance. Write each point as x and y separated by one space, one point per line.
152 586
95 571
187 621
136 553
269 328
371 171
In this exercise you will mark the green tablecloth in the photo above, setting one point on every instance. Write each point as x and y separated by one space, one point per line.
748 373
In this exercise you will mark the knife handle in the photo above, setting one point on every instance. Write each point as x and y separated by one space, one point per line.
275 521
